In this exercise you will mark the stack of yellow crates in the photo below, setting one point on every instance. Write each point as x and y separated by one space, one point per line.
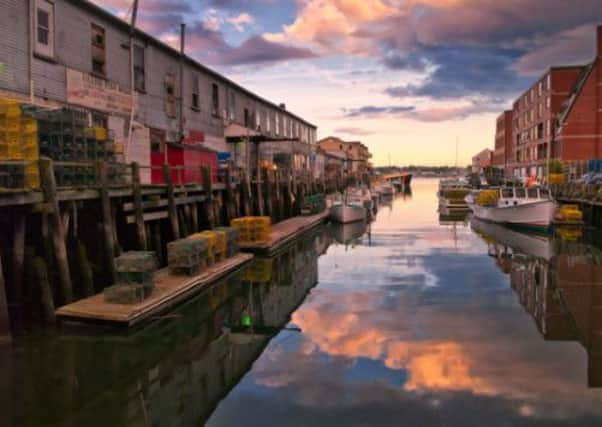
214 250
10 130
253 229
31 152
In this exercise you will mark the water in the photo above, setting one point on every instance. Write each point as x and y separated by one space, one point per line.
418 320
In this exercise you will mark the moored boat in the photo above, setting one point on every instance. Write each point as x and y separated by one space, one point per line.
522 207
348 209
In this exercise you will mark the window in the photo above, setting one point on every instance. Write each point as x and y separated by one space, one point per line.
98 50
507 193
231 105
548 102
215 100
247 117
139 79
170 92
520 193
277 124
258 116
544 193
44 28
540 131
157 140
195 101
268 123
532 193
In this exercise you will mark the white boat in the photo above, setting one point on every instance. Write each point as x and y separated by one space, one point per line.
347 233
350 209
524 207
387 190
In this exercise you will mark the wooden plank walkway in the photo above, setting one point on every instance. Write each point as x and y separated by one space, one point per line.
169 291
284 232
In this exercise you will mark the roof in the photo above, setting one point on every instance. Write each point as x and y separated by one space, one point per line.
575 91
94 8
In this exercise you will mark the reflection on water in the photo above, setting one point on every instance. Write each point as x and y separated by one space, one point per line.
559 283
173 371
415 319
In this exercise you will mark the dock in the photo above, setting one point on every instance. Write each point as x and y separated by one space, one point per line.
169 291
284 232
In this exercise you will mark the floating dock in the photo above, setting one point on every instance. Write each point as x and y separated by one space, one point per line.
284 232
169 291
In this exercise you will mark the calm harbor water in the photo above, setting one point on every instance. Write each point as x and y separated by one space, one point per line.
419 319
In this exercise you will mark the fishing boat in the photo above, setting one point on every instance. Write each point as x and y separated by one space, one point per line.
349 209
532 207
452 194
387 190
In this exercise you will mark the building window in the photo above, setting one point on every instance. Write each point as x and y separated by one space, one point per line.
215 100
231 105
247 118
548 102
258 117
196 96
44 39
277 124
268 122
98 50
139 78
170 92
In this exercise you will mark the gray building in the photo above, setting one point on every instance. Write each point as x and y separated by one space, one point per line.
72 52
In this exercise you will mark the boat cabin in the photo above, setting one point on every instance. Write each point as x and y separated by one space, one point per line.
512 196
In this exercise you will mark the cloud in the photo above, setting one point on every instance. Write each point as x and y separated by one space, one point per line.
257 49
430 113
241 21
355 131
374 111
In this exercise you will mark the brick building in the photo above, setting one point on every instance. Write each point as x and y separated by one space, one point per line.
481 160
78 55
503 154
356 153
558 118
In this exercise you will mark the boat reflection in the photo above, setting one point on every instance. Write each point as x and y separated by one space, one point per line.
176 369
558 280
348 234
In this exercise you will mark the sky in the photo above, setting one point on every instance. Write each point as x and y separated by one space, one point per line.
406 77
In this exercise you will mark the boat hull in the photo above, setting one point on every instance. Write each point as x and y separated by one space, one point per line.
346 214
537 215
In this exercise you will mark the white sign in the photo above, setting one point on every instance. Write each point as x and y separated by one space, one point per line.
93 92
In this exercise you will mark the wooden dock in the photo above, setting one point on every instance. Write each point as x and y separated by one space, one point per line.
284 232
169 291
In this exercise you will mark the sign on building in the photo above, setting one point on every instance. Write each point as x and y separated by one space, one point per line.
89 91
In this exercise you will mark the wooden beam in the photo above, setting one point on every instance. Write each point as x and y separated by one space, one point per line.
138 209
58 232
173 212
149 216
19 223
4 317
107 221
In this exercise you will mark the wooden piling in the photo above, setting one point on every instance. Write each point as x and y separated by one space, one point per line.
19 222
229 200
208 189
4 317
157 242
138 210
269 192
247 202
58 232
187 213
171 202
107 221
85 270
41 275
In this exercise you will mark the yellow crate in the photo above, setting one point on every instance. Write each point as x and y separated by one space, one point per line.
11 152
32 181
211 240
29 125
9 108
100 133
221 243
10 124
31 168
10 137
30 140
31 153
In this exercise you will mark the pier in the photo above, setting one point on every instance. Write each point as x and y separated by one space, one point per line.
61 241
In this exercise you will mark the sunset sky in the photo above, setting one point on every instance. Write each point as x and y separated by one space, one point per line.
406 77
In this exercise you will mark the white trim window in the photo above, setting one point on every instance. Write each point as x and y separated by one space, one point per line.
44 28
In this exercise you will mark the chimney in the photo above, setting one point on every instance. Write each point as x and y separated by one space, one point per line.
599 41
283 106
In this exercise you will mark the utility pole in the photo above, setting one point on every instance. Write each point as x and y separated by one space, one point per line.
182 40
132 76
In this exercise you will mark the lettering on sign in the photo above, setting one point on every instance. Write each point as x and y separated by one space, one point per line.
92 92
